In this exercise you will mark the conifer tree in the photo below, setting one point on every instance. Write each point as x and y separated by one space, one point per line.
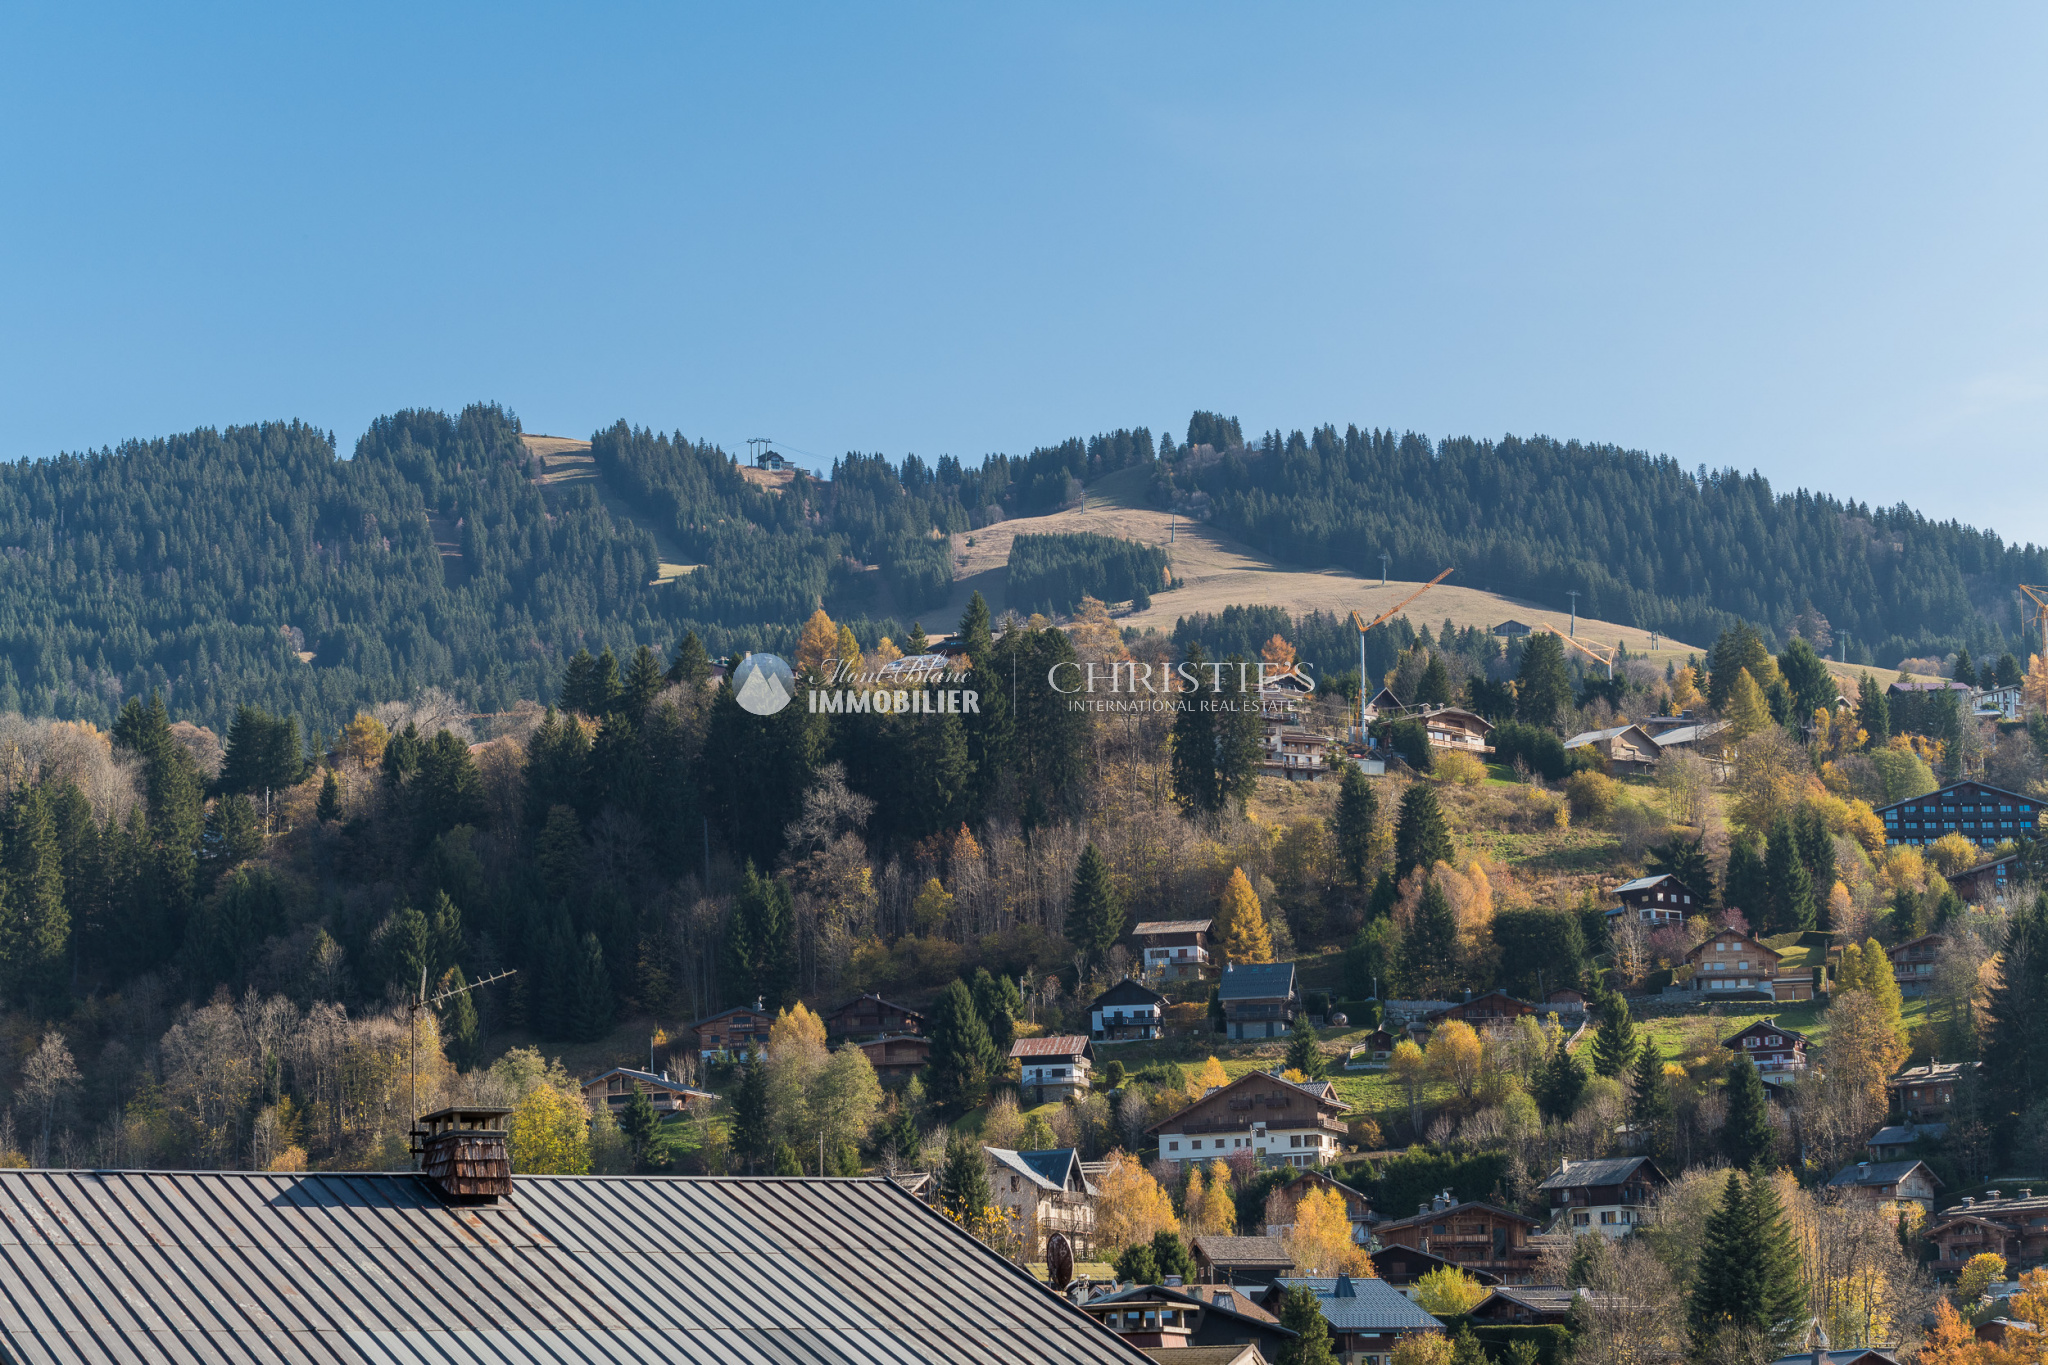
1737 650
592 1004
752 1114
1241 924
557 759
1435 687
1747 710
640 1123
1615 1045
579 685
328 808
1873 711
760 942
1240 733
1747 1137
692 665
1686 859
642 683
1748 883
1135 1264
1429 949
1817 852
963 1182
1351 827
1649 1099
1965 670
2015 1046
1304 1052
989 732
460 1035
1170 1255
1095 918
1747 1286
1193 766
997 1001
1791 888
1559 1084
1302 1313
963 1057
1421 838
1543 686
35 925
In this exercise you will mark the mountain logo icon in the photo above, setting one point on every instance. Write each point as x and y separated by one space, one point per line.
763 684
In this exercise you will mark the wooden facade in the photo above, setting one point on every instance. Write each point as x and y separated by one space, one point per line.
1287 1124
1473 1235
872 1016
1977 811
897 1056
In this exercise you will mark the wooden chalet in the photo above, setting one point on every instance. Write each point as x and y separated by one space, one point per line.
1252 1261
1056 1068
1453 727
1176 949
1913 962
1367 1318
1258 1000
1656 901
1977 811
1292 751
1376 1051
1201 1319
1491 1012
1988 882
1888 1182
1625 748
1282 1201
1526 1305
1779 1052
2015 1228
1512 630
1383 703
1283 1122
736 1035
870 1016
1473 1235
1926 1094
1733 961
897 1056
1610 1195
1127 1012
668 1096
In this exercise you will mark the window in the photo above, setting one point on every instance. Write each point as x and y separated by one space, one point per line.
1607 1215
1580 1220
1013 1184
1720 947
1774 1040
1173 1146
1196 1145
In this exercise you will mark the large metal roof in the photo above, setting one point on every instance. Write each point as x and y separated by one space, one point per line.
121 1266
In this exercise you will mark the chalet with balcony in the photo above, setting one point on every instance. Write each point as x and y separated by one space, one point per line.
1401 1266
1494 1011
1733 961
1284 1199
1656 901
1054 1068
1176 949
1473 1235
1527 1305
1913 963
1976 811
897 1056
1988 882
1926 1094
2015 1228
1888 1182
870 1016
1368 1318
668 1096
1893 1141
1292 751
1383 703
1259 1000
1610 1196
1624 748
1126 1012
1453 727
1284 1123
1779 1052
1047 1192
738 1034
1214 1319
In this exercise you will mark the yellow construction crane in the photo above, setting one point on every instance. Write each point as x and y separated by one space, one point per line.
1603 655
2034 591
1365 689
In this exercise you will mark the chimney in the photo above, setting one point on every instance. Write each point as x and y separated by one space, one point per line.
1422 1208
462 1154
1564 1164
1344 1289
1468 995
1990 1194
1171 1281
2026 1194
1968 1201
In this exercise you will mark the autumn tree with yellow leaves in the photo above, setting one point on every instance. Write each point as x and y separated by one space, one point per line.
1132 1205
1320 1242
1241 924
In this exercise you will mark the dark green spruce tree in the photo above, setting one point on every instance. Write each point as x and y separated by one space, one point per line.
1747 1138
1421 838
1352 825
1095 918
964 1059
1615 1045
1193 765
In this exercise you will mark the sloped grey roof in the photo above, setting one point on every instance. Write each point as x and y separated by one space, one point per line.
1364 1305
1048 1169
1267 982
1613 1170
1876 1173
118 1266
1220 1250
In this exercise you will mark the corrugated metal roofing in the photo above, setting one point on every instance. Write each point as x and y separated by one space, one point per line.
1252 982
1363 1305
124 1266
1609 1170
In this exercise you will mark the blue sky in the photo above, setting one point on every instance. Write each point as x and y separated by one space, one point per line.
1803 239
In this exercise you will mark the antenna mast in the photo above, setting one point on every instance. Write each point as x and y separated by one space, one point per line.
419 1002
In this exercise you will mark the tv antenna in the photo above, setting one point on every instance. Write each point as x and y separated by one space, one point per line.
421 1001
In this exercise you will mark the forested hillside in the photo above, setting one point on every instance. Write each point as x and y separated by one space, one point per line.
1643 541
253 565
